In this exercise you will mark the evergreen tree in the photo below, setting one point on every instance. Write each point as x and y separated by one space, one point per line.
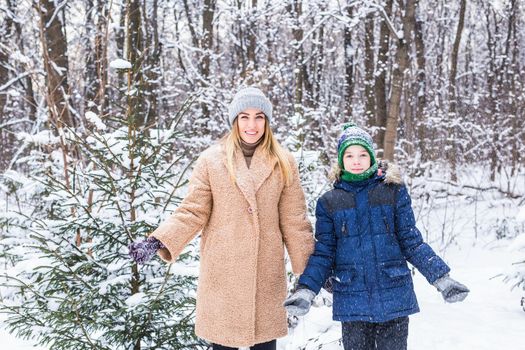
69 282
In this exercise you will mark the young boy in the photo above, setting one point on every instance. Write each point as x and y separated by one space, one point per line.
366 233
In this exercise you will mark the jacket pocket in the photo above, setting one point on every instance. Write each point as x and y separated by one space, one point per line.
395 274
349 279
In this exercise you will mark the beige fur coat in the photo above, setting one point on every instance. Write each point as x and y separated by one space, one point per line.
245 227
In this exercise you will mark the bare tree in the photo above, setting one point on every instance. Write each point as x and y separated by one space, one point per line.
452 93
397 83
6 29
16 76
207 45
370 101
6 138
380 81
252 37
296 9
152 59
515 71
135 55
56 64
96 55
349 55
421 88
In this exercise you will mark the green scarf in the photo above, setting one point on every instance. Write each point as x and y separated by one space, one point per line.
368 173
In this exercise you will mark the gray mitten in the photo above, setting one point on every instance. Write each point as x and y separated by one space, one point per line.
298 304
452 290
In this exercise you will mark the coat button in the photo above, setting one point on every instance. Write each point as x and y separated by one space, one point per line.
250 210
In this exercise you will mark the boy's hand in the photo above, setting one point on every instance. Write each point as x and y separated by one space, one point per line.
452 290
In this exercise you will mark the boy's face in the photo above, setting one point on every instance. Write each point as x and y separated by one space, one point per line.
356 159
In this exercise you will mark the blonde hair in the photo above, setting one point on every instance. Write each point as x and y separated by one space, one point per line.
271 149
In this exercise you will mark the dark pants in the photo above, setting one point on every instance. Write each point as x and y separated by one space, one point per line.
271 345
391 335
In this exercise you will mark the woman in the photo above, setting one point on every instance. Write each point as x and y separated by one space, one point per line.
246 197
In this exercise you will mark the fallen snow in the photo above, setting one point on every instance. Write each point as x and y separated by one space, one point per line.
490 318
119 63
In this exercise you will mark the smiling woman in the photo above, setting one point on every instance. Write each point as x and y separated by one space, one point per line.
245 195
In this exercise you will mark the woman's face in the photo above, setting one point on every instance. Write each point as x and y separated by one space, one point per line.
356 159
251 123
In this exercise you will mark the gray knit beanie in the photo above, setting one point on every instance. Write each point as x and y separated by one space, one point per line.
249 97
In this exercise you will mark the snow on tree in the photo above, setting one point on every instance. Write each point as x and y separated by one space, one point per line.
69 282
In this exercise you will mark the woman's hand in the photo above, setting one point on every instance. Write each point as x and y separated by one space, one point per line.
143 251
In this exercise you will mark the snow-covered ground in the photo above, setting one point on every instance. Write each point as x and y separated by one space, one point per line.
490 318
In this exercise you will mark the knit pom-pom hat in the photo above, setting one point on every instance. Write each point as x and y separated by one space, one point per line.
353 135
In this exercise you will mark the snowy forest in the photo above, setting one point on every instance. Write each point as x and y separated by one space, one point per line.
105 105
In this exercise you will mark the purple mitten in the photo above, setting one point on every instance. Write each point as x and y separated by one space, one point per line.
143 251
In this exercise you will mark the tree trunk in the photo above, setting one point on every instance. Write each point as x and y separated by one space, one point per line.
135 55
410 118
101 54
493 107
452 93
421 90
90 73
96 57
297 33
207 45
397 83
252 38
319 67
191 25
515 109
207 38
28 87
120 34
56 63
56 67
239 48
370 103
380 83
5 35
269 38
6 138
152 59
349 57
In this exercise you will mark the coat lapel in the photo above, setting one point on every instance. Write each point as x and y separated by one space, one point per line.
243 179
250 180
260 169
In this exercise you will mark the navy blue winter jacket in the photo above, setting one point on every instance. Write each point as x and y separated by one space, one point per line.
365 234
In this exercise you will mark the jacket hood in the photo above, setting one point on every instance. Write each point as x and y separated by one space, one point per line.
392 173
